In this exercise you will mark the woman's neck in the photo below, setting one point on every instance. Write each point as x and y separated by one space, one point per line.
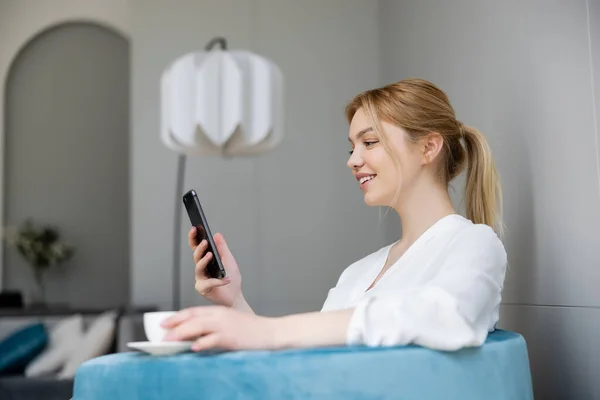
422 207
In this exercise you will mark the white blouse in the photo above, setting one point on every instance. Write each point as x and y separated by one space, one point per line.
443 293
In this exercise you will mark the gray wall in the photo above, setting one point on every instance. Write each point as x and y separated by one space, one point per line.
294 218
66 159
521 72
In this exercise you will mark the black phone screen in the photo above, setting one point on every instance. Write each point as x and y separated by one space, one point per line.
215 268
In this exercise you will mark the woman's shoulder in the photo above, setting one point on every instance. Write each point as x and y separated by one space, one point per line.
472 234
471 240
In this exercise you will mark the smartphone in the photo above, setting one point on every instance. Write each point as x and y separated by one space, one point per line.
215 268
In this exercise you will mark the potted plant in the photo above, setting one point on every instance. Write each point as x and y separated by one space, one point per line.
42 249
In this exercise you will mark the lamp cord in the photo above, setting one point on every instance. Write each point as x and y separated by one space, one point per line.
181 163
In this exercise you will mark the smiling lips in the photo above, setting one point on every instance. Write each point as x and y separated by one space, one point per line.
364 178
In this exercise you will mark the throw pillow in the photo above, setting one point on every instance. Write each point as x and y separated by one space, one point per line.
22 346
64 339
95 342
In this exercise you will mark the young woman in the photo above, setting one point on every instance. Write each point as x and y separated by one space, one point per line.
438 286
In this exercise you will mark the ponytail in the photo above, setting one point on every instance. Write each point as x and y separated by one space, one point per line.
483 191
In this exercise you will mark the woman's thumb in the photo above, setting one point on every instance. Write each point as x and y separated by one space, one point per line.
220 243
220 282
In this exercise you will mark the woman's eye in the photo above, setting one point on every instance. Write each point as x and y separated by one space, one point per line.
366 144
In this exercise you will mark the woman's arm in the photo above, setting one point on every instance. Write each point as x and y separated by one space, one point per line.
453 310
228 328
242 305
312 329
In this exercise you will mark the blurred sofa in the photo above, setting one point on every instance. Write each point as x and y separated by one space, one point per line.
124 325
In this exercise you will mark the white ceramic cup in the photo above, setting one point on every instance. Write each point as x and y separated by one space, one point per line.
152 320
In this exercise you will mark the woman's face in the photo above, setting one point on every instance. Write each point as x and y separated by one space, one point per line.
377 174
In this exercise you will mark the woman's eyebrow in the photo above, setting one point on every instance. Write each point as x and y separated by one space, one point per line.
361 133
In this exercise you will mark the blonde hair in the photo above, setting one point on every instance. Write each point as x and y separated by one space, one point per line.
420 108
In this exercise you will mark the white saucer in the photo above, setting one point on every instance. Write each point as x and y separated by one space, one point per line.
161 348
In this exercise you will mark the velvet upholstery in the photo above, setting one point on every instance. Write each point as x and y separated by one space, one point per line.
499 370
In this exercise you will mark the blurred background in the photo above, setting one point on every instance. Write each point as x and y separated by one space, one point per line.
81 151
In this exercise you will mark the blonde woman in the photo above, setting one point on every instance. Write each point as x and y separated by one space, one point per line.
438 286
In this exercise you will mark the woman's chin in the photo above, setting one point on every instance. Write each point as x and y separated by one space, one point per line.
371 199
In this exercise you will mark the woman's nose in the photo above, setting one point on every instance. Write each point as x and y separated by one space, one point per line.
355 160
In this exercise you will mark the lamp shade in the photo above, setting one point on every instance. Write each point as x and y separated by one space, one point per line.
221 103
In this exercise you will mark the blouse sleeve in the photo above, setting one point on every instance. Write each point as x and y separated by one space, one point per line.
453 310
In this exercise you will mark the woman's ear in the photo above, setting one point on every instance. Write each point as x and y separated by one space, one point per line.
431 147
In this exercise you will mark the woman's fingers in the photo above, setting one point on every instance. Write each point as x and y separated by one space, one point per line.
178 318
192 239
201 265
189 329
206 342
204 286
199 251
184 315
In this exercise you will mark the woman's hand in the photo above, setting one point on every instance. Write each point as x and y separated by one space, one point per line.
226 291
220 327
230 329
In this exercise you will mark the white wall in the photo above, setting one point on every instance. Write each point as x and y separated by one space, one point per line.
521 72
294 218
22 20
66 162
